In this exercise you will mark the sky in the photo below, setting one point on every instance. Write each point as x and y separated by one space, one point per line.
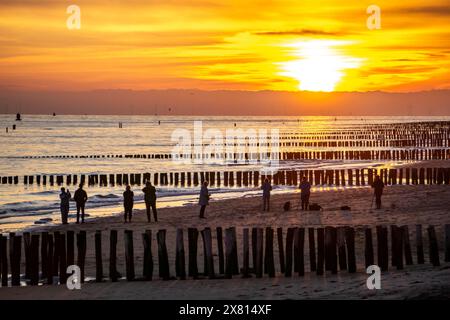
290 45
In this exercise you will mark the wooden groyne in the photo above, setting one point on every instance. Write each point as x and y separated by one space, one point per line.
44 257
317 177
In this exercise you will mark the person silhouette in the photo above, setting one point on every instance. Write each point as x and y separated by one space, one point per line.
204 199
128 201
378 186
150 200
305 187
80 198
266 188
64 196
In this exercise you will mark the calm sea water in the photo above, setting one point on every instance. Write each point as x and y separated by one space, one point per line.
36 135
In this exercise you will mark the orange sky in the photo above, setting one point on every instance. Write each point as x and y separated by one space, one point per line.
208 44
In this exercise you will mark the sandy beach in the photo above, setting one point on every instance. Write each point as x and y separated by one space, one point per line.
402 205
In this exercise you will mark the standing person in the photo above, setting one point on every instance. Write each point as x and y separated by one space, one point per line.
128 201
150 200
80 198
305 187
204 199
266 188
65 204
378 187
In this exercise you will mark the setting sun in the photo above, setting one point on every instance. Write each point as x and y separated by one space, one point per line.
320 66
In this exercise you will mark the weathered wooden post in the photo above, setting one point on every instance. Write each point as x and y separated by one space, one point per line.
289 244
62 259
228 253
382 248
407 245
27 250
16 245
447 243
246 253
113 255
312 250
34 255
342 253
300 249
147 270
129 255
259 252
163 258
207 244
220 250
369 248
81 246
419 245
235 264
351 255
98 257
281 249
70 247
56 252
4 260
320 251
434 250
49 261
180 264
193 240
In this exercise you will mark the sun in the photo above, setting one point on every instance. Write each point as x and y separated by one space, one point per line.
319 65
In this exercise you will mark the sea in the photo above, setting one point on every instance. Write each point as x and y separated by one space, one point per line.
24 207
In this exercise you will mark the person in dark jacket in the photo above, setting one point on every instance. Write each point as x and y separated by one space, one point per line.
128 201
204 199
150 200
64 196
378 187
305 187
266 188
80 198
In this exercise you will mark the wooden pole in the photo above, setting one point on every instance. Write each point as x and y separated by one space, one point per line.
259 252
98 257
49 255
4 260
281 249
180 265
228 253
246 253
62 259
419 245
407 245
16 243
312 250
44 256
207 244
369 260
81 245
434 250
220 250
113 256
301 252
70 247
382 248
351 256
342 253
34 255
163 258
447 243
289 243
148 256
193 240
129 255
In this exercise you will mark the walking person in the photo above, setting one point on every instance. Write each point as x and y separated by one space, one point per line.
378 186
128 202
204 199
266 188
150 200
80 198
305 188
64 196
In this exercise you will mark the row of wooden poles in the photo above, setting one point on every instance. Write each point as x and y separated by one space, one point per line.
248 157
318 177
330 249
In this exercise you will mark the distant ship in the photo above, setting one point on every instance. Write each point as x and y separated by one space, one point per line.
18 117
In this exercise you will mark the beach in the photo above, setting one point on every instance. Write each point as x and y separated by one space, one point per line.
402 205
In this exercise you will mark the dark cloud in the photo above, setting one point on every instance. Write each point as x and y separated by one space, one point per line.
302 32
442 10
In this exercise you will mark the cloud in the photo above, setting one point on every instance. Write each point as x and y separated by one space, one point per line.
302 32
